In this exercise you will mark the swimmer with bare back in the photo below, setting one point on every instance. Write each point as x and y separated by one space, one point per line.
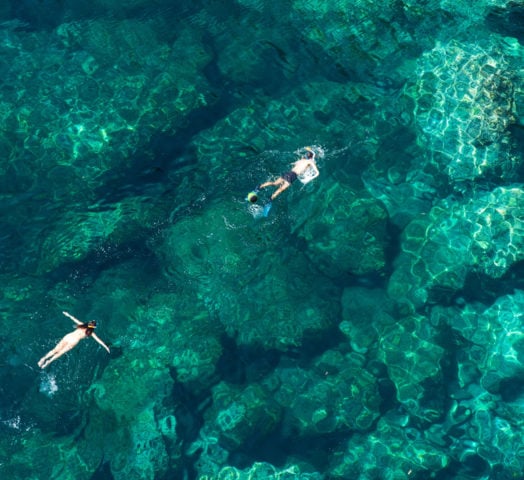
83 330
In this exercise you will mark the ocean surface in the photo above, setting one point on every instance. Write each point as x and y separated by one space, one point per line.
368 326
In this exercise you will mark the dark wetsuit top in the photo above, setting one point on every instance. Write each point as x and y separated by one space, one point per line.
290 176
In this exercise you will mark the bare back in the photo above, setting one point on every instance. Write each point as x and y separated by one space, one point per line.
300 166
71 339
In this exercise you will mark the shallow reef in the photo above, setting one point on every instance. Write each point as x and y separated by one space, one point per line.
463 104
455 239
369 327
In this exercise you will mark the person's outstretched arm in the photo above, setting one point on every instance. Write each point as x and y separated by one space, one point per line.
78 322
95 337
315 169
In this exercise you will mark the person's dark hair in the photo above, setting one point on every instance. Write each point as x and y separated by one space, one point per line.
89 327
309 154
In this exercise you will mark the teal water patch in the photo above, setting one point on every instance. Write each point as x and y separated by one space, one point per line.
369 327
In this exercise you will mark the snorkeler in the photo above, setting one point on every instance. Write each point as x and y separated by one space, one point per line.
83 330
305 169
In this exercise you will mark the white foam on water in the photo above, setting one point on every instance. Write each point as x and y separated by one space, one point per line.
48 385
256 210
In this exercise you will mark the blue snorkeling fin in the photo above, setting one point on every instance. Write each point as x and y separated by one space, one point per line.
267 208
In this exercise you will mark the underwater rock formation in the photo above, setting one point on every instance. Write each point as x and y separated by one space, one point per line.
242 416
393 447
193 363
483 234
312 113
26 450
344 230
483 422
413 360
337 394
191 291
228 269
463 104
282 311
68 135
365 314
136 445
405 196
406 347
103 111
364 30
264 470
494 342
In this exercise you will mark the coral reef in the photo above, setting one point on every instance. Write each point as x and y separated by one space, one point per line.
337 394
413 360
365 313
264 470
242 417
345 232
73 132
464 104
279 310
496 341
439 250
135 446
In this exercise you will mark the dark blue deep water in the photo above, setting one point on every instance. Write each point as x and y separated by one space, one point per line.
368 327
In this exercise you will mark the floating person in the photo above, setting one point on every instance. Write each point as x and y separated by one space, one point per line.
83 330
305 169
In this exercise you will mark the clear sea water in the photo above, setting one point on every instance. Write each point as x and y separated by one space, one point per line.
368 327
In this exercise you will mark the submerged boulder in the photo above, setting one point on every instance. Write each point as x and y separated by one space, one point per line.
262 295
464 103
338 394
484 234
344 230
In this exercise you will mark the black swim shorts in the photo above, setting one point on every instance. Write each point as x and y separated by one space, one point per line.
290 176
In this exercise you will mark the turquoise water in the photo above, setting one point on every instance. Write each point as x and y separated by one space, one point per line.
370 327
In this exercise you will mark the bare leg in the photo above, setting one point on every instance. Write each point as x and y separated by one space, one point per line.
280 183
63 346
50 357
46 357
270 184
48 361
53 355
283 186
